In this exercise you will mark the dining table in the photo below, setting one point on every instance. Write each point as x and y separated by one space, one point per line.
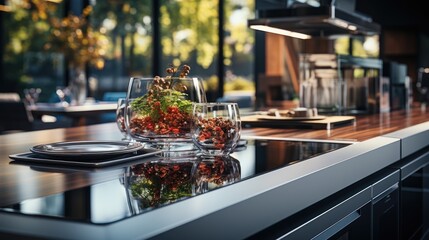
79 114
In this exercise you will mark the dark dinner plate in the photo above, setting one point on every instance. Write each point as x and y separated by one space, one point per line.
86 149
100 161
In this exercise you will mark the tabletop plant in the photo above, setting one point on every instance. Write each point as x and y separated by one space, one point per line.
164 109
218 131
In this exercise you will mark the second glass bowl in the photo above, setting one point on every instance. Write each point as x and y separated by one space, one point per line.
216 127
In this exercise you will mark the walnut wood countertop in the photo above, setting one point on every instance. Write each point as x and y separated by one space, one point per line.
366 127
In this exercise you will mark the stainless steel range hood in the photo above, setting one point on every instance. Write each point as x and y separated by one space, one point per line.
307 21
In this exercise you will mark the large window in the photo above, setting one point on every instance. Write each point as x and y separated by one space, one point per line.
189 35
141 38
24 63
238 48
128 28
358 46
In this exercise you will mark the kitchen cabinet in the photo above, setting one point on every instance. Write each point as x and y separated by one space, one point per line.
399 200
414 192
368 209
385 207
414 184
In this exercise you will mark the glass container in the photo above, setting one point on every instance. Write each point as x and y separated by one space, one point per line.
216 127
159 110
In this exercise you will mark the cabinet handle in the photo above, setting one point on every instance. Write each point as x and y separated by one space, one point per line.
332 220
338 226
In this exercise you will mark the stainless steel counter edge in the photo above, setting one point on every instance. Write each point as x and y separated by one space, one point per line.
274 196
238 210
413 138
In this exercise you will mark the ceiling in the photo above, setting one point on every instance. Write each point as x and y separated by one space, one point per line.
396 14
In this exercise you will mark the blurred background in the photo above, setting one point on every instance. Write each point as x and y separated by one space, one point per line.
210 36
43 42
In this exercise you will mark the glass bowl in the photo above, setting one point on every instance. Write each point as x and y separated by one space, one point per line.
120 117
216 127
160 109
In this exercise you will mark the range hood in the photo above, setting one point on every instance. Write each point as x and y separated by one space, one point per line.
305 21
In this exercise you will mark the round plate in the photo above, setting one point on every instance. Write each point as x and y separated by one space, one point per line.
86 148
291 118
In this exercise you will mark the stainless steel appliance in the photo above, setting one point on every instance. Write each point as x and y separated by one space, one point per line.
400 88
423 85
313 18
341 84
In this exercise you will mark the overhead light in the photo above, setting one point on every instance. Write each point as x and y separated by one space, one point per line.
352 27
54 1
341 24
337 22
280 31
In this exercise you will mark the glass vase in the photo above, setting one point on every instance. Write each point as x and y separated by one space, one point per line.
77 85
160 110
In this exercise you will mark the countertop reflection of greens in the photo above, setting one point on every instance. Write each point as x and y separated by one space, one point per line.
153 192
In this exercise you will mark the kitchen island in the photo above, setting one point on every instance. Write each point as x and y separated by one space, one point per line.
244 208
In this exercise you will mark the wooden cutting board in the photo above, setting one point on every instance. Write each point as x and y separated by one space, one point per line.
328 122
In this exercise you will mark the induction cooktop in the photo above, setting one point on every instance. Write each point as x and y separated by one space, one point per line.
156 182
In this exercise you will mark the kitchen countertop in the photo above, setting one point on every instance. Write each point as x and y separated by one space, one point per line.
366 127
377 137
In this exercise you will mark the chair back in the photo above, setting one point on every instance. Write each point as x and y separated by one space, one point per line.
10 97
242 101
15 116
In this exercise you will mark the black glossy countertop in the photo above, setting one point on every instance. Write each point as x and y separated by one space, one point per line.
262 178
